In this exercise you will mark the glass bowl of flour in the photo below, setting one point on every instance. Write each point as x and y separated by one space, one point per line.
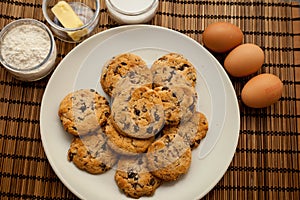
27 49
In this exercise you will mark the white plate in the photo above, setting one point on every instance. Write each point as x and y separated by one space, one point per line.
151 43
81 69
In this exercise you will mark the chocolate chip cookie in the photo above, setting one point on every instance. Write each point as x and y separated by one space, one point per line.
192 131
123 144
169 157
118 67
136 76
173 69
179 103
83 111
138 112
134 179
91 153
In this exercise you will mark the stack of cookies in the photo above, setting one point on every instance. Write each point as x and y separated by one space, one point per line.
148 130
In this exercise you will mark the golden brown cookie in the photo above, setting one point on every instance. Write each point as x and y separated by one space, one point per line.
123 144
179 103
91 153
138 112
169 157
173 69
134 179
136 76
118 67
83 111
192 131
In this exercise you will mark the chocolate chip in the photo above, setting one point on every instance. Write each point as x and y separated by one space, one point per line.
93 106
83 107
170 121
132 174
136 128
156 116
80 118
168 139
126 126
192 145
107 114
104 147
116 70
137 112
92 90
110 88
103 166
169 78
71 156
164 88
123 63
181 68
149 129
144 109
152 182
103 124
173 72
89 152
131 74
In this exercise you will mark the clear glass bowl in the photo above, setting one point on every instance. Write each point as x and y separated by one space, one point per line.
87 10
9 53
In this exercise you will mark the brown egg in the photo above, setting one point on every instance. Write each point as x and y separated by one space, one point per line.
221 37
262 90
244 60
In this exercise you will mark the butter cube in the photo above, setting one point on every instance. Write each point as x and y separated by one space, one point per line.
69 19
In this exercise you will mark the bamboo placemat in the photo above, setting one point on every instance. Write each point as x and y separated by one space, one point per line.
267 160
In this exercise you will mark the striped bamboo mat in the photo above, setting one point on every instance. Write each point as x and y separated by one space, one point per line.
267 160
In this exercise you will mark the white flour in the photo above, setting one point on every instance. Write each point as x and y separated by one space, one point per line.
25 46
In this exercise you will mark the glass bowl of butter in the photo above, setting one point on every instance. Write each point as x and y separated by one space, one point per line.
72 20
